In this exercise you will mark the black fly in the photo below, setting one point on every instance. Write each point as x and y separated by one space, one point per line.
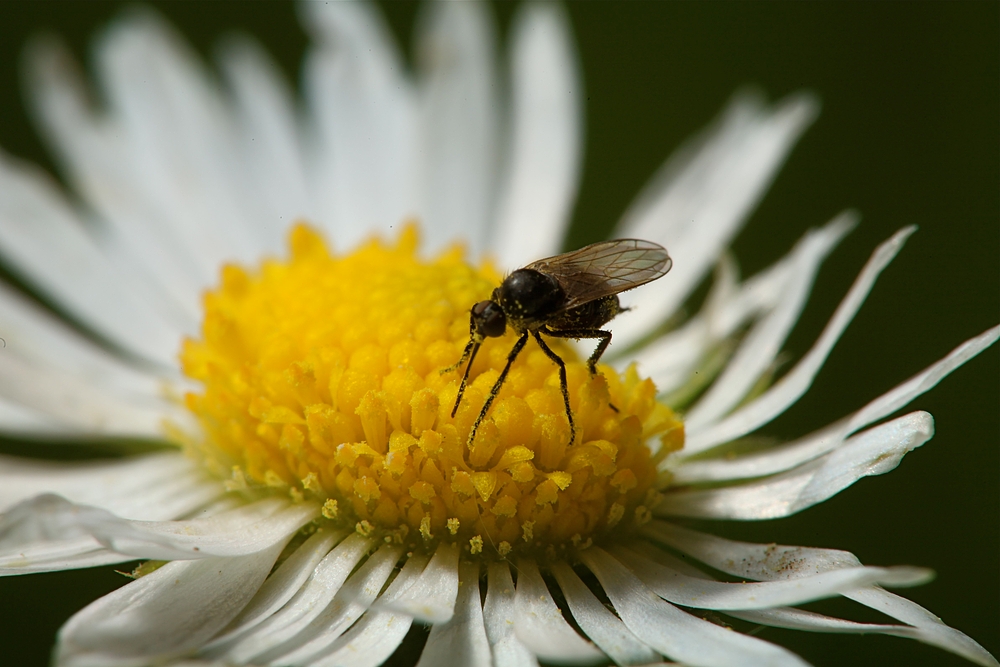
567 296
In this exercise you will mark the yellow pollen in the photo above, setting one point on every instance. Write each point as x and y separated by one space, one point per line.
321 379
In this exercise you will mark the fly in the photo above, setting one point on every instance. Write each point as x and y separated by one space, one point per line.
571 295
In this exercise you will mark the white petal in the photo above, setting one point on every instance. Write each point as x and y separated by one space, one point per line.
181 139
77 403
932 629
17 420
353 599
789 388
432 597
761 345
675 633
282 585
539 624
787 456
143 487
302 608
499 615
363 111
797 619
237 532
377 634
459 118
164 614
546 138
687 591
100 161
269 139
460 641
873 452
762 562
701 197
771 562
42 239
600 625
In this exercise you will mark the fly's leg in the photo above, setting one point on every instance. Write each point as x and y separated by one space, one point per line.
562 381
514 351
603 336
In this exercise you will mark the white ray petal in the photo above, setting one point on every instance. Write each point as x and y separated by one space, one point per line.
872 452
181 138
675 633
499 615
17 420
701 197
302 608
363 110
43 239
772 562
539 624
460 641
352 600
269 138
671 359
167 613
377 634
460 122
244 530
789 388
542 170
946 638
760 347
761 562
932 629
789 455
111 485
281 586
600 625
686 591
432 597
74 401
42 339
96 155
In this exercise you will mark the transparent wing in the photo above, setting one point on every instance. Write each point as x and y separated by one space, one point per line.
605 268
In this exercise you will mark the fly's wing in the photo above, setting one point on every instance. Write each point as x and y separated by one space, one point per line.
605 268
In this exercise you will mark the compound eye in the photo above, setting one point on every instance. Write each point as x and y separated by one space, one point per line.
489 319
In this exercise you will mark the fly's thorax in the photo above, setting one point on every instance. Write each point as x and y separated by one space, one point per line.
528 296
322 380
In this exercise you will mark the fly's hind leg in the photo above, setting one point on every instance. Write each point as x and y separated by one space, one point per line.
562 381
600 334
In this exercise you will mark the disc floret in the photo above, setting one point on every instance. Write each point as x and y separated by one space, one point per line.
321 378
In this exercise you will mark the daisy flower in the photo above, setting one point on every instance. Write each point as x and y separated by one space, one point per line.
277 290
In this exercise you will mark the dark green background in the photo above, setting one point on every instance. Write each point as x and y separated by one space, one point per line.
908 134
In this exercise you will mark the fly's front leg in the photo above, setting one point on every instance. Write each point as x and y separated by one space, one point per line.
518 346
562 381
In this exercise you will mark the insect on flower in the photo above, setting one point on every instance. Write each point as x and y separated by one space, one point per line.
567 296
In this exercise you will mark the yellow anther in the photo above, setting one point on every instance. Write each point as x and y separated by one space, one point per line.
364 528
330 509
476 545
425 528
453 525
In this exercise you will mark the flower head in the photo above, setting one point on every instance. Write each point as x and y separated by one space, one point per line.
324 496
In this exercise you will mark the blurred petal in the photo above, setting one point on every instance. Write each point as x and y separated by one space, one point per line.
460 122
703 195
542 171
364 117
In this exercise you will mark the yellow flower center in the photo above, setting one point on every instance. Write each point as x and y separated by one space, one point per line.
323 378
